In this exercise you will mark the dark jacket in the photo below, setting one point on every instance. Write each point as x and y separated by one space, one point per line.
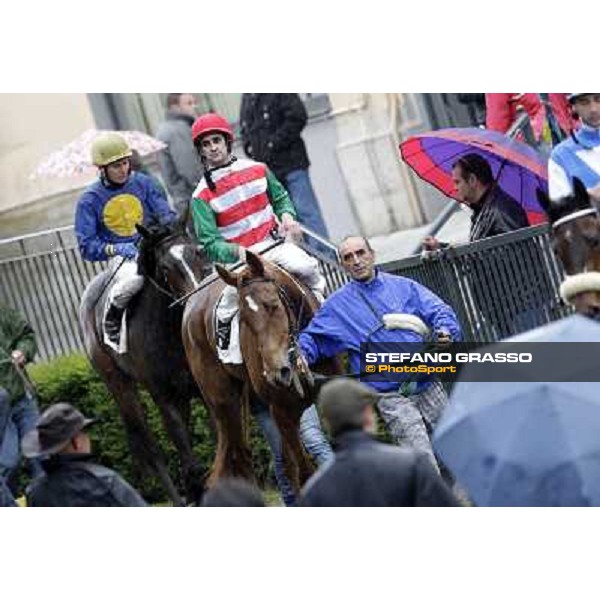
178 162
366 472
496 213
74 480
270 126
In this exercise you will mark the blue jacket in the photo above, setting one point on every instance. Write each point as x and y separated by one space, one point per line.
345 321
577 156
108 214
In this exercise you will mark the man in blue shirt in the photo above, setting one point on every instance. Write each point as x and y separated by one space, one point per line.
105 221
578 155
379 307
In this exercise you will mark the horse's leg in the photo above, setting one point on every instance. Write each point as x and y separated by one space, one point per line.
233 454
222 394
297 464
143 446
176 418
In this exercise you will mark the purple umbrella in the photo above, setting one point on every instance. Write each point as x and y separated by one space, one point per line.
518 168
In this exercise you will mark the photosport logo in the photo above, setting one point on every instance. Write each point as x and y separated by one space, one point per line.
503 361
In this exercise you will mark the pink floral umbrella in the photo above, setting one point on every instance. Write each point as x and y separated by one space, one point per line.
75 158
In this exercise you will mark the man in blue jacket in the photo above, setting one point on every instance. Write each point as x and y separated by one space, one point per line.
578 155
379 307
105 221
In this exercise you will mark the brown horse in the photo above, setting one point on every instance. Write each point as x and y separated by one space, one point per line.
576 241
273 307
172 266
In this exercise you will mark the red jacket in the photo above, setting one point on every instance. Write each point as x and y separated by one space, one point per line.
501 111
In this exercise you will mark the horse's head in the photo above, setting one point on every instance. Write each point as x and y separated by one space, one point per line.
170 259
576 229
268 320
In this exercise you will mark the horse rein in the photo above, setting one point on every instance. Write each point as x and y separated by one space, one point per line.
293 321
574 216
157 286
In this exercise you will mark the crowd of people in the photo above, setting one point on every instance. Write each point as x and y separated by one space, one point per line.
237 204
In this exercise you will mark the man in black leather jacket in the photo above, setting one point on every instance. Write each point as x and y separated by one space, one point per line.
72 478
364 471
494 211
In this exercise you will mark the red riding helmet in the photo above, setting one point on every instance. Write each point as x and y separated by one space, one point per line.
211 123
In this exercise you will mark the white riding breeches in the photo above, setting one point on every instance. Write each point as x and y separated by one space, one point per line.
126 283
297 262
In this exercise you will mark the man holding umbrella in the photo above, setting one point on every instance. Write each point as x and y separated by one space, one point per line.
494 212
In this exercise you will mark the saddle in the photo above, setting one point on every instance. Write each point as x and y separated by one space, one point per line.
226 327
102 310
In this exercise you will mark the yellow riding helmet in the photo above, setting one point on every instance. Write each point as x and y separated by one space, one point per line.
108 149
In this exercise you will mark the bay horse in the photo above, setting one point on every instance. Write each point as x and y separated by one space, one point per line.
155 359
273 307
575 225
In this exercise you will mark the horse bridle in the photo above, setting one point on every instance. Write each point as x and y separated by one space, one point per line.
157 286
578 214
293 321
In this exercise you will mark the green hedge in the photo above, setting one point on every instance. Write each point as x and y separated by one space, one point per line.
72 379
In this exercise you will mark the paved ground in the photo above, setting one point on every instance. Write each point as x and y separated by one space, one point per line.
401 244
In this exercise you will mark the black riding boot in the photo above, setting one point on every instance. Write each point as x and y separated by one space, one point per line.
112 324
223 334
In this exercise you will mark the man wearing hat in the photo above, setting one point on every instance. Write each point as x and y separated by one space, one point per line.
578 155
366 472
71 478
105 224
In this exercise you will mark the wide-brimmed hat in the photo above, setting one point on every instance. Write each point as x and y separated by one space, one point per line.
342 403
55 427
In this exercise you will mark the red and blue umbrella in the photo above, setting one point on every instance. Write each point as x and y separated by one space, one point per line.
519 170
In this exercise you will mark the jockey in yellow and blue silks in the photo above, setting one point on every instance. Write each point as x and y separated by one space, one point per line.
105 221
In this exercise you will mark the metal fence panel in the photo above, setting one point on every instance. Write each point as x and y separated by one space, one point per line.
498 287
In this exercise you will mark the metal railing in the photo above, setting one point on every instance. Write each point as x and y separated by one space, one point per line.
43 276
498 287
46 287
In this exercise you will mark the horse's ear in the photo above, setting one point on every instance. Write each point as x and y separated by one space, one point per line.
257 267
580 193
544 201
143 231
227 276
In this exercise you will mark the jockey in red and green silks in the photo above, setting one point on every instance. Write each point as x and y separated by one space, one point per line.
240 204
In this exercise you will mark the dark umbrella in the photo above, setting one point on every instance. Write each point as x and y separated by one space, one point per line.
527 443
519 170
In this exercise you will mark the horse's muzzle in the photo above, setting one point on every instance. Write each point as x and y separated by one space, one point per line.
284 376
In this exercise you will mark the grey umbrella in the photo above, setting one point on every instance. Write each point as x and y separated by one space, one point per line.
529 443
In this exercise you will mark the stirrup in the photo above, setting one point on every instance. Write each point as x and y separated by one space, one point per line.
112 325
223 335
